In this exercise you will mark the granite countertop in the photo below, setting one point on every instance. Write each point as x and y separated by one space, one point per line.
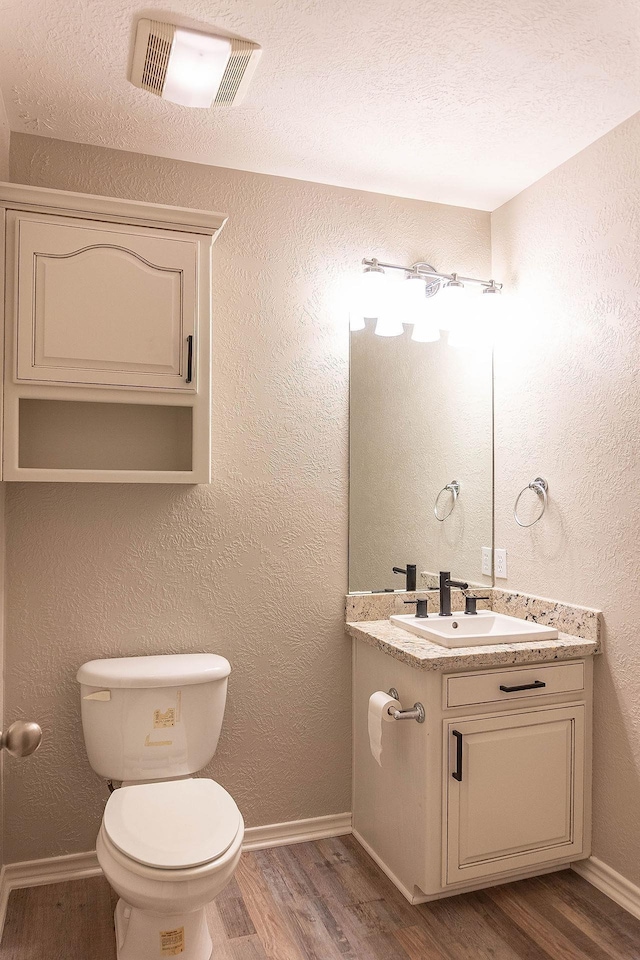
421 653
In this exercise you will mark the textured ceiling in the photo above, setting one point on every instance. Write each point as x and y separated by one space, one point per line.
464 102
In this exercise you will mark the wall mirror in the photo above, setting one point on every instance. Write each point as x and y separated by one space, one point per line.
420 419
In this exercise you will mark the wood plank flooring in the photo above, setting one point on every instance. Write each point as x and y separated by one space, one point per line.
329 901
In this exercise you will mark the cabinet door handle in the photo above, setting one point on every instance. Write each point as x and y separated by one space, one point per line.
189 375
536 685
457 773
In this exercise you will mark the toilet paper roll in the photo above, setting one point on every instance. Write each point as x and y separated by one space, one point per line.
379 703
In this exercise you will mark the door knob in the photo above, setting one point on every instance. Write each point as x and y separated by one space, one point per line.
21 739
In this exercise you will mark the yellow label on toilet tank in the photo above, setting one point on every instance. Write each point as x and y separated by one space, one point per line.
166 719
172 942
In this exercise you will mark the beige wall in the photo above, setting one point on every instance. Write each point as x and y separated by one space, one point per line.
253 566
4 141
568 408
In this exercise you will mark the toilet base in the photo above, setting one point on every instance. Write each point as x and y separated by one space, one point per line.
141 935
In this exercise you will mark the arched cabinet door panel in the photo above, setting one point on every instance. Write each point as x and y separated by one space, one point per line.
105 304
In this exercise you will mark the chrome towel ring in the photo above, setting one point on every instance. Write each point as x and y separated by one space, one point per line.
454 489
540 487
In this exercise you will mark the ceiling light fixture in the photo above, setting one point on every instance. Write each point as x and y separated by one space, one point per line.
189 67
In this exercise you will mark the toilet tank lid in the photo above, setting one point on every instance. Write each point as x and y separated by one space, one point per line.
172 670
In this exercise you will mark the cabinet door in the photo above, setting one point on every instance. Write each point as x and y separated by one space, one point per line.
105 303
514 791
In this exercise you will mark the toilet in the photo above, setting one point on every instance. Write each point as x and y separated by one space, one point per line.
168 842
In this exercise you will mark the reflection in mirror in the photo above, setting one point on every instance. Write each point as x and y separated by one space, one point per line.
421 418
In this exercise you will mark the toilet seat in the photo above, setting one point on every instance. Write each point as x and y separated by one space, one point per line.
172 825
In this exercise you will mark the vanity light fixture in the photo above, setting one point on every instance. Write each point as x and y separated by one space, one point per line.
389 325
423 282
425 331
190 67
413 301
372 289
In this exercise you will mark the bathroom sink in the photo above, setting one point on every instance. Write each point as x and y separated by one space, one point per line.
484 629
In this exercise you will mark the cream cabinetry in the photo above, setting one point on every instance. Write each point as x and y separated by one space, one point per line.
107 338
104 304
514 796
494 786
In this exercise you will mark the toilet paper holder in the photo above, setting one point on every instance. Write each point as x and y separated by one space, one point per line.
415 713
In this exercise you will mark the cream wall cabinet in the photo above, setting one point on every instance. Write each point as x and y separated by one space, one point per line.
104 304
107 338
492 789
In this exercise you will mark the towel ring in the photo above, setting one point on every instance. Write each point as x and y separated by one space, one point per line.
454 490
538 486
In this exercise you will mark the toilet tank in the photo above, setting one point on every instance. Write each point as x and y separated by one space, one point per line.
152 718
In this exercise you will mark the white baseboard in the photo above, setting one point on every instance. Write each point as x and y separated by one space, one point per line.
76 866
297 831
385 869
35 873
610 882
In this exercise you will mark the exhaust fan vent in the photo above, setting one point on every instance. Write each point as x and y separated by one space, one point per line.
236 73
192 68
156 59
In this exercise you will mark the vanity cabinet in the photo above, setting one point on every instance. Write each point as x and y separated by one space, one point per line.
514 791
107 339
494 786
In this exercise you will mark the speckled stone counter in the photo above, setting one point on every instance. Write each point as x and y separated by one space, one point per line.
421 653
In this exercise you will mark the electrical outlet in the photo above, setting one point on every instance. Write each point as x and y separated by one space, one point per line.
501 564
486 561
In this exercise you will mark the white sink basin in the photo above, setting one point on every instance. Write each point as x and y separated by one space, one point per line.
484 629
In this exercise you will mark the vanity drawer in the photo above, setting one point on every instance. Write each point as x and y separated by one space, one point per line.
541 681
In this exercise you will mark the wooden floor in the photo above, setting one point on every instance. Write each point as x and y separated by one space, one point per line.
329 901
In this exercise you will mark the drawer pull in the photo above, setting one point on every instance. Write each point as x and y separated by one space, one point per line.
536 685
189 375
457 773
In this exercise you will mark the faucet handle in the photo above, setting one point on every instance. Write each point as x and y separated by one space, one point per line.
470 604
421 607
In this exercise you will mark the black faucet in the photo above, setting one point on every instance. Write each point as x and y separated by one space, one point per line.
445 591
470 605
410 574
421 608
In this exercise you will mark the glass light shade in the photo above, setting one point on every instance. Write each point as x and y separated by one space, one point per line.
412 299
197 63
356 322
389 325
451 303
476 329
371 293
465 335
426 330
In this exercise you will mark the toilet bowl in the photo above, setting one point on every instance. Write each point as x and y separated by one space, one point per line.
168 849
169 842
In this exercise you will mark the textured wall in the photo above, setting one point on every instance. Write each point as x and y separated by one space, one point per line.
4 142
568 408
420 417
253 566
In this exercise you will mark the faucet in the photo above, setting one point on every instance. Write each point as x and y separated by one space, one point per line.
445 591
410 574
